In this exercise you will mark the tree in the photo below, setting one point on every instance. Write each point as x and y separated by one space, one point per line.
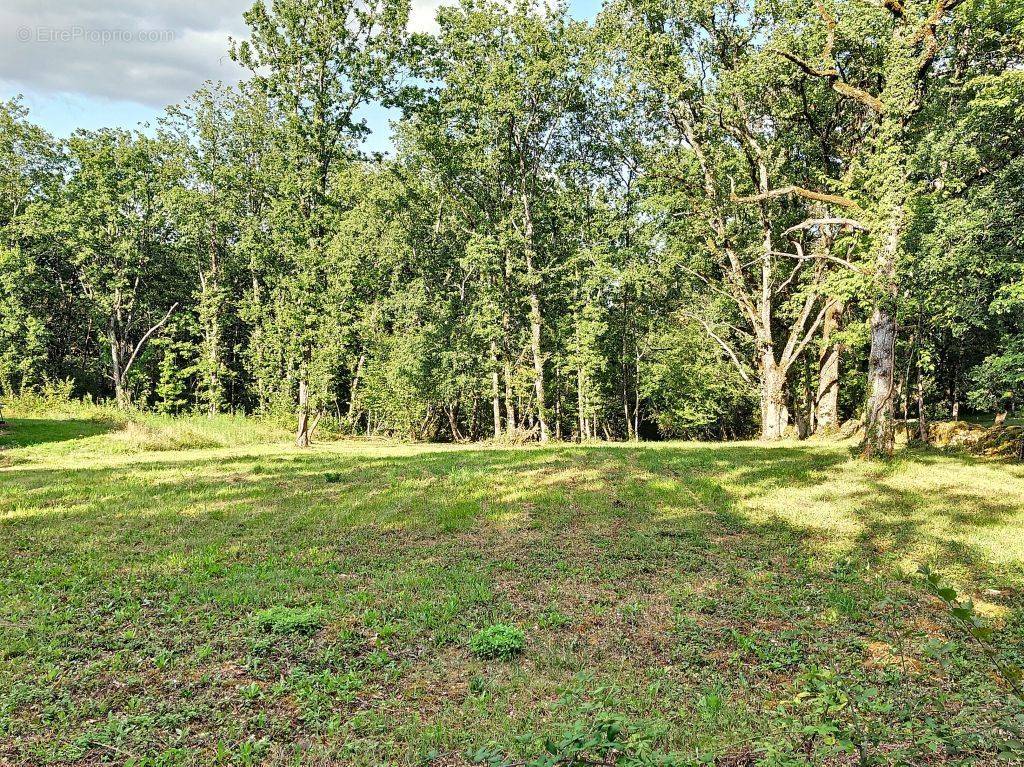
759 258
494 125
890 88
207 203
29 162
106 221
318 62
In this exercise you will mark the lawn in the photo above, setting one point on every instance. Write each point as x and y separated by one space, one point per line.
189 593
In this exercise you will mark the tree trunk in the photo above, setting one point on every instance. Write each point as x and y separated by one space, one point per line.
510 406
827 400
116 373
452 412
558 414
212 343
538 359
922 416
353 395
536 320
495 391
879 430
879 427
581 406
774 413
302 433
211 311
803 402
636 399
623 357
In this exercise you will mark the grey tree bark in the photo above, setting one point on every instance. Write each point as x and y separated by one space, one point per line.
495 391
827 399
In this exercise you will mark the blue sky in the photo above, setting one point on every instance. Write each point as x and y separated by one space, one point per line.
79 64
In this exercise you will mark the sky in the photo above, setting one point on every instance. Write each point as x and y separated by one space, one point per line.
117 63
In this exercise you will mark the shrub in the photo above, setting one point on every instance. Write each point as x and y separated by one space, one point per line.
289 620
498 641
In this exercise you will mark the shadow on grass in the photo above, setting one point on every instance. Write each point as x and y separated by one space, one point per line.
622 561
330 499
28 432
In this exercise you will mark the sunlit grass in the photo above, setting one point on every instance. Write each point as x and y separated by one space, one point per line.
134 576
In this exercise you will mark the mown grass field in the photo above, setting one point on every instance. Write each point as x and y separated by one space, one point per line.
713 596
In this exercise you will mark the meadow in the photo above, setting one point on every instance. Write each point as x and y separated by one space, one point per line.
184 591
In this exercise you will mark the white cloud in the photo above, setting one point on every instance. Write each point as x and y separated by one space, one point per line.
422 13
152 52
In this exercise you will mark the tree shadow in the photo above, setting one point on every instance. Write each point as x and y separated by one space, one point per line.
632 563
29 432
433 492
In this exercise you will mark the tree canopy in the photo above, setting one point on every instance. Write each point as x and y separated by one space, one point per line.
687 218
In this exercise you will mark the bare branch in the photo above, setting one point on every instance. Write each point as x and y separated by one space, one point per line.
799 349
142 341
820 257
831 72
800 261
799 191
711 286
810 223
805 65
725 346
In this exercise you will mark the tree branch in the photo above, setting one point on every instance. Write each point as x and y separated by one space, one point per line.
820 257
810 223
832 73
142 341
798 191
740 367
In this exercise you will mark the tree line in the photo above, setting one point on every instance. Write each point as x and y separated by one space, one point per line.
688 218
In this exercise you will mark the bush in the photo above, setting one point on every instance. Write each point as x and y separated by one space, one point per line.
48 398
289 620
998 382
498 641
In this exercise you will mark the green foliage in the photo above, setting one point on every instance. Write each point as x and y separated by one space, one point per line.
998 382
693 391
499 641
967 618
963 612
289 620
622 229
598 735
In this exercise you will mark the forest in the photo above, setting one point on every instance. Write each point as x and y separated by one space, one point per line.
687 219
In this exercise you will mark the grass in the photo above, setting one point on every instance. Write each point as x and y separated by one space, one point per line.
235 600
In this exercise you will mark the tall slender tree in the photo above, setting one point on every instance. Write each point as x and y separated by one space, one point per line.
318 62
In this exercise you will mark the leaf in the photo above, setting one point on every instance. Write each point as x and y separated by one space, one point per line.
947 593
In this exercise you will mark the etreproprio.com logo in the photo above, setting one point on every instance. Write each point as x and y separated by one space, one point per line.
93 36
